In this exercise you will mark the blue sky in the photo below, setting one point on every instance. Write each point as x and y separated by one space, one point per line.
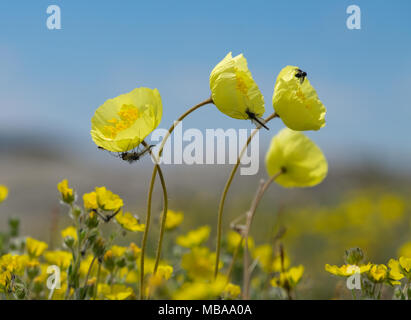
51 82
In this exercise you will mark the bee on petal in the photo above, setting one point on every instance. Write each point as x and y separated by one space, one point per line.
296 102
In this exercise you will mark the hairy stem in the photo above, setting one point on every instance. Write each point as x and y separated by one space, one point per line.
225 191
150 194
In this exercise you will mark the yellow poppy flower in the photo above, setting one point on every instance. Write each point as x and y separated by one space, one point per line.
296 101
122 123
67 193
129 222
174 219
378 272
107 200
347 269
302 163
3 193
35 248
90 200
233 89
194 238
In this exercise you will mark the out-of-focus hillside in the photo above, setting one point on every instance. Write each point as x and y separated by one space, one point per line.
321 221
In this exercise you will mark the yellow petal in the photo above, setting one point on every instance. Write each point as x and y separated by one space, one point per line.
303 162
3 193
194 238
129 222
405 263
297 103
35 247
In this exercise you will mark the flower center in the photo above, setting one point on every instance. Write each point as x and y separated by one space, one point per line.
241 83
128 115
302 97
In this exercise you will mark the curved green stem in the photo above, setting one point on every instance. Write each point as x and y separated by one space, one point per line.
150 194
225 191
147 226
250 215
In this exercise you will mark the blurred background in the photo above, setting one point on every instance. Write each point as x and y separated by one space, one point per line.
51 82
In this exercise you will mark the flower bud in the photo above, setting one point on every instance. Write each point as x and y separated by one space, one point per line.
354 256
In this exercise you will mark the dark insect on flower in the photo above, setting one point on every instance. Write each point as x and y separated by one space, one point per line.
300 75
256 120
131 156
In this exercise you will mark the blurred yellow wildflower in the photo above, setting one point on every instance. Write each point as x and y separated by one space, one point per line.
278 265
234 90
232 291
302 163
174 219
13 263
233 240
378 272
296 101
107 200
122 123
118 251
392 207
199 263
405 250
4 191
85 266
90 200
289 278
35 248
69 232
264 254
67 194
60 258
114 292
200 290
194 237
405 264
395 274
347 269
163 273
133 251
129 222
